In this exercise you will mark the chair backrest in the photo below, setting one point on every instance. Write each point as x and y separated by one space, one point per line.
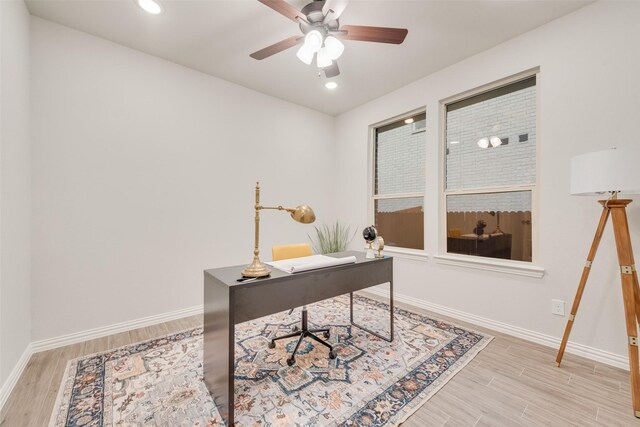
290 251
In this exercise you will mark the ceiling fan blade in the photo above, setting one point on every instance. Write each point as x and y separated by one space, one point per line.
332 70
374 34
284 8
277 47
332 9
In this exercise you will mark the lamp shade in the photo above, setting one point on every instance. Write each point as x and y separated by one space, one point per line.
613 170
323 59
313 40
303 214
305 55
334 46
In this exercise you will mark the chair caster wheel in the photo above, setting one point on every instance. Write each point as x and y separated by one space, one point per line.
291 361
272 344
332 355
327 335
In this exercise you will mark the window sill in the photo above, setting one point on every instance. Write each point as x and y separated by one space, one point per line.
413 254
502 266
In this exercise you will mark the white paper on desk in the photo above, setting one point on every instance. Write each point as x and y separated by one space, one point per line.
313 262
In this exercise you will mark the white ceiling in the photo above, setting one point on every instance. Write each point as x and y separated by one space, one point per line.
217 36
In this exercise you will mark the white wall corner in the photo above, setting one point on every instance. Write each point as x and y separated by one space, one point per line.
12 379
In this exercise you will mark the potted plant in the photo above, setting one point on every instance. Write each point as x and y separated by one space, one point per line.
332 238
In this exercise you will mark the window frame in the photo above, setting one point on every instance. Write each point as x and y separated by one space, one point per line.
418 254
518 267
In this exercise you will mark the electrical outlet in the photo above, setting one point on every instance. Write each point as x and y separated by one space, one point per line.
557 307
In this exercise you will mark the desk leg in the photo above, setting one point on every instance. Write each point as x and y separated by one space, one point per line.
390 337
219 347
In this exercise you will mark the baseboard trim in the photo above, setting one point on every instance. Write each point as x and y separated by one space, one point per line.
596 354
592 353
13 377
103 331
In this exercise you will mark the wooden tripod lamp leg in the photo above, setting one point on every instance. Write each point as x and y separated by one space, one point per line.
583 281
637 295
629 292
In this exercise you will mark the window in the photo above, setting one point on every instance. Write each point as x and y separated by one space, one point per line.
399 152
490 172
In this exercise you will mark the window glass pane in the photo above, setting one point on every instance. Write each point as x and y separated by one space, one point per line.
400 221
507 230
491 138
400 151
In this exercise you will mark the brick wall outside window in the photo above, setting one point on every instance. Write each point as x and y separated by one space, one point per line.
400 166
469 166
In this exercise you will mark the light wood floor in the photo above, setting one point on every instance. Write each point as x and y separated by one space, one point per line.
510 383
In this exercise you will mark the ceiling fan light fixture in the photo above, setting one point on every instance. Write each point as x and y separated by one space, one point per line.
150 6
313 40
305 55
334 46
324 60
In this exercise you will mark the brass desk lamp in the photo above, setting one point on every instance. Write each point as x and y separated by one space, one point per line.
303 214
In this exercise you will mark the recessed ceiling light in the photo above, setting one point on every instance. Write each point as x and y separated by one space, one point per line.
150 6
409 120
331 85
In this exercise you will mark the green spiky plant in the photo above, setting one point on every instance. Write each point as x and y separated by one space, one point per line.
332 238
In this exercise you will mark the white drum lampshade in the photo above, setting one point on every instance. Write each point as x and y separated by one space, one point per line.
613 170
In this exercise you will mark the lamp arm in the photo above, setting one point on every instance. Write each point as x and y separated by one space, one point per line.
278 208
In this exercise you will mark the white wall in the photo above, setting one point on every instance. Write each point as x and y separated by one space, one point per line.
589 98
143 176
15 312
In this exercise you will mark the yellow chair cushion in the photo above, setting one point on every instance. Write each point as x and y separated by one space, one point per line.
290 251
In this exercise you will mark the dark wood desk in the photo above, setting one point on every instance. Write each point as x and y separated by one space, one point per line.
228 302
493 245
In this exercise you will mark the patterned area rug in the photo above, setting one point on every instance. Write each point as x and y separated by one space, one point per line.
371 382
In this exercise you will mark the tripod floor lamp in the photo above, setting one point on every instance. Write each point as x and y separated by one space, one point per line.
611 172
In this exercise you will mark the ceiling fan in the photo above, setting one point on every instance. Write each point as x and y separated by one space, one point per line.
322 33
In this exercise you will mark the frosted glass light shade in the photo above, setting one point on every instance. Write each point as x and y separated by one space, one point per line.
313 40
483 143
305 55
495 141
604 171
334 46
324 60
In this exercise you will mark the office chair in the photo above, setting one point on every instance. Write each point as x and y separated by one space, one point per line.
297 251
